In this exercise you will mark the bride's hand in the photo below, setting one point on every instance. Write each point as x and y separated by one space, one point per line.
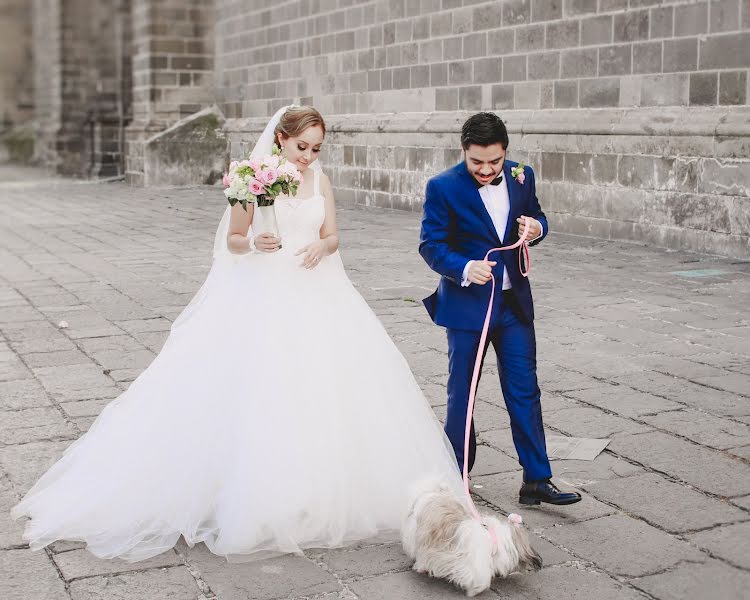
267 242
313 254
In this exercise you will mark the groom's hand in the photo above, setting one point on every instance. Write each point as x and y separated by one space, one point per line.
535 227
480 271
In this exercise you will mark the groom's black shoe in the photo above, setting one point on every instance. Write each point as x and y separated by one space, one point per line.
545 491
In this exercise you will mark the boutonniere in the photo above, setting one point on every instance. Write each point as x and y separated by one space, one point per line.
517 173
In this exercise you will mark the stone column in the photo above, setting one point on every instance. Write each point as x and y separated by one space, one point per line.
172 70
81 84
15 79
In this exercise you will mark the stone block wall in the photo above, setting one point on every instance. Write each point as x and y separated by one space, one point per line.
15 63
81 84
173 69
634 113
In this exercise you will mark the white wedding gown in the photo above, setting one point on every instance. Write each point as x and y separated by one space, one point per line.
278 416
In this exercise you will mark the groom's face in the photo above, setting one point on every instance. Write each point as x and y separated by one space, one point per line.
485 163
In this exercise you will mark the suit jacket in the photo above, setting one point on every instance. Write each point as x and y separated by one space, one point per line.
456 228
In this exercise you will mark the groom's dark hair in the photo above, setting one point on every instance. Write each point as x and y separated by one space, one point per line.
484 129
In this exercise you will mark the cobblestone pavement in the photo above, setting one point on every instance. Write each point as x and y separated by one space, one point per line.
647 347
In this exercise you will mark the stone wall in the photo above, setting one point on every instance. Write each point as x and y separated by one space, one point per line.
15 63
173 70
633 113
81 84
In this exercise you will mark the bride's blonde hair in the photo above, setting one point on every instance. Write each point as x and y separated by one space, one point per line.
295 120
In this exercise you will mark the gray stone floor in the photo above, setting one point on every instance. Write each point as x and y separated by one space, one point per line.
647 347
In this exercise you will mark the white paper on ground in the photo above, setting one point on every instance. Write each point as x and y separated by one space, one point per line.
570 448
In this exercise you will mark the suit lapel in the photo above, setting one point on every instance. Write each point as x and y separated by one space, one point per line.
513 199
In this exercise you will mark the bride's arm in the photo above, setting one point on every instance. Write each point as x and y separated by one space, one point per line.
239 223
329 233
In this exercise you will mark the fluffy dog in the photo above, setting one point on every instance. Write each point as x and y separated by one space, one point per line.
447 542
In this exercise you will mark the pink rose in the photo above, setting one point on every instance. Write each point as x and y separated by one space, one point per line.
255 164
269 176
256 187
227 180
245 163
520 178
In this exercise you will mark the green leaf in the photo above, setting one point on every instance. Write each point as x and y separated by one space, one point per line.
244 205
232 201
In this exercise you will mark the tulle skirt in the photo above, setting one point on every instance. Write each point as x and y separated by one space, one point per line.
278 416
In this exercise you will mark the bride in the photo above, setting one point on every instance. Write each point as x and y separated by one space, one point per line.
278 416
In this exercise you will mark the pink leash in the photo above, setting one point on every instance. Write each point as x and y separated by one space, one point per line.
478 364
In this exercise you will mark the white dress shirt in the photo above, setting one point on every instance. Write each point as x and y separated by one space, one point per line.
497 202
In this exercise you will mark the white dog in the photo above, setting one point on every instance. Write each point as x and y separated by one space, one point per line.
445 541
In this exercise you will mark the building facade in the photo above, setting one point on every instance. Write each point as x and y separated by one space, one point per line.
633 113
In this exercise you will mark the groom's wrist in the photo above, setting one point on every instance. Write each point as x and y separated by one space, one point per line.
465 275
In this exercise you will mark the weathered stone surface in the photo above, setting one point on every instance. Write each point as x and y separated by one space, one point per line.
670 506
581 421
366 562
706 469
710 580
409 586
563 582
34 424
624 401
22 393
29 575
25 463
194 150
649 550
490 461
81 563
10 531
707 430
730 542
174 583
262 580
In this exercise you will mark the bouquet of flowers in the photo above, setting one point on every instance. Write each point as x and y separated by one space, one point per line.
261 180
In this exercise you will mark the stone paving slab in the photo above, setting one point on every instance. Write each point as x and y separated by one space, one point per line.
262 580
175 583
567 582
27 575
728 542
667 505
76 564
627 348
697 582
603 540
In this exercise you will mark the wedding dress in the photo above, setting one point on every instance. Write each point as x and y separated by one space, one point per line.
279 415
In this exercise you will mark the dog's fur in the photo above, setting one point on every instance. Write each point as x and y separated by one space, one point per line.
445 541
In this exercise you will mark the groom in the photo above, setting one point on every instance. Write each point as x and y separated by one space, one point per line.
468 209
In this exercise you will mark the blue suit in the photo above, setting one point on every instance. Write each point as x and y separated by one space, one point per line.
456 228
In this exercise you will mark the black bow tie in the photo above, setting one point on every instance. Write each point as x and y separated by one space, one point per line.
495 181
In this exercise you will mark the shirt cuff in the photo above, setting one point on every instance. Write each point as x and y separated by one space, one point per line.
465 277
